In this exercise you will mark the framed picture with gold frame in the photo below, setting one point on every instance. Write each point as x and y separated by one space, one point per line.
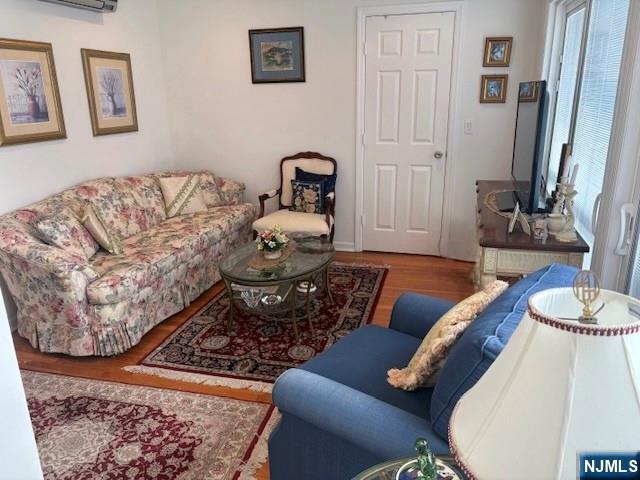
497 51
493 88
30 107
112 101
529 91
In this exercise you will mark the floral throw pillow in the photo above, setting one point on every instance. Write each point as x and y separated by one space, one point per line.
62 229
308 197
431 353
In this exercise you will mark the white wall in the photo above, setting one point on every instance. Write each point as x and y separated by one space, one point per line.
220 120
18 452
30 172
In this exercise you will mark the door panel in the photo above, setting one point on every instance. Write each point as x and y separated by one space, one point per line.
408 76
389 107
420 193
386 189
424 106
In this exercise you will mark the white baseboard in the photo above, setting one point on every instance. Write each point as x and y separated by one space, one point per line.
344 246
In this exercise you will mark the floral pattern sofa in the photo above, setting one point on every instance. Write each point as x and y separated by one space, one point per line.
104 305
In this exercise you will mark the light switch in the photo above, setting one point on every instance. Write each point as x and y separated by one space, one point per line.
468 127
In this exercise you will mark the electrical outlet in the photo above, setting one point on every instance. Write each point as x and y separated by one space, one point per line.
468 127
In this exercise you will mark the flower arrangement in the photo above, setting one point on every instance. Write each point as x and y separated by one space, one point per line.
271 242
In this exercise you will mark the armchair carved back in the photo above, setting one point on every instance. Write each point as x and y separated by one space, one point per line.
312 162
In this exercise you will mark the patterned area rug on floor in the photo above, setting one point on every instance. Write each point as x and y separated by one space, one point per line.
90 429
258 349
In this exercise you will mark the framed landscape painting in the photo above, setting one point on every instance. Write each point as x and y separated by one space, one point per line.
30 107
277 55
112 102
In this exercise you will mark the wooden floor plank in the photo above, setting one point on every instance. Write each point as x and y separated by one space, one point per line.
427 275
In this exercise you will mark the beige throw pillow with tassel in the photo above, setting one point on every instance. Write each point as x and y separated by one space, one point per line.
429 357
93 221
182 195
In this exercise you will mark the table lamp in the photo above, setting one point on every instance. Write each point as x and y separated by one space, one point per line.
560 387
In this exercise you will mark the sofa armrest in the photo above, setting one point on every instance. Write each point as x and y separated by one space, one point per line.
373 425
415 314
231 192
266 196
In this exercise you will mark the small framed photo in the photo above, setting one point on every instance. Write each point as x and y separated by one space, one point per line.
30 107
277 55
112 101
497 51
493 88
529 91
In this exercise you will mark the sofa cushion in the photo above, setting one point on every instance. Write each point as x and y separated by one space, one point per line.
197 230
62 229
485 338
361 360
161 250
108 201
231 192
145 191
124 276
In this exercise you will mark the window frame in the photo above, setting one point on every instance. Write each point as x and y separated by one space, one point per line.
622 172
560 11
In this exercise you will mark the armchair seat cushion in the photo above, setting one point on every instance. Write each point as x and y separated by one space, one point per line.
361 360
313 224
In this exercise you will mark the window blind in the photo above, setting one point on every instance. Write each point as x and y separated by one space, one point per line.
599 86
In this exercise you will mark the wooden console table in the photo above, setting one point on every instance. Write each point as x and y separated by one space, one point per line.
513 255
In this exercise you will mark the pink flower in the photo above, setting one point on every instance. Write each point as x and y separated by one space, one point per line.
88 192
26 216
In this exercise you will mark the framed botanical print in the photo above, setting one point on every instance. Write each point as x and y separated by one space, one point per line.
109 81
493 88
277 55
529 91
30 107
497 51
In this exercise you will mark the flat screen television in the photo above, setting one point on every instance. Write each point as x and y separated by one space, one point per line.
527 164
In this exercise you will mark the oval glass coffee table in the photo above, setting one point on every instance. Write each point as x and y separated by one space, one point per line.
280 293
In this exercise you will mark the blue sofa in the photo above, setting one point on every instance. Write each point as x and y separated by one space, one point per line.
339 414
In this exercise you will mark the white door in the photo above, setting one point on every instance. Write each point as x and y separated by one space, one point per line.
408 75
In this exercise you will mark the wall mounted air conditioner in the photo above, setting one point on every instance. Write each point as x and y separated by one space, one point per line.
103 6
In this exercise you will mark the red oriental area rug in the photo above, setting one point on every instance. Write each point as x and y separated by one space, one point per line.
258 349
90 429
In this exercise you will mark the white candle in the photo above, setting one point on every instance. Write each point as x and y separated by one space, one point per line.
574 174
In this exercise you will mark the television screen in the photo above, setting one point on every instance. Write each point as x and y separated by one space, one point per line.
528 147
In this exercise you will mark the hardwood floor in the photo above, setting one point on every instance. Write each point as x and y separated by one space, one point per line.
428 275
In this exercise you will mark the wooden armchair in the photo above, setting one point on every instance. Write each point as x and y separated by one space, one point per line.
314 224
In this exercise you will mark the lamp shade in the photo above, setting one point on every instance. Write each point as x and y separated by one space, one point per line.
558 388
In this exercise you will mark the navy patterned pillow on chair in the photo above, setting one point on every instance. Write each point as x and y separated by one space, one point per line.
329 181
308 197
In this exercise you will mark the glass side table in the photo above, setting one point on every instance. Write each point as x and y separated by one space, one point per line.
388 470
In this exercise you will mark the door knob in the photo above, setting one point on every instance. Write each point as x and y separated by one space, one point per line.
438 155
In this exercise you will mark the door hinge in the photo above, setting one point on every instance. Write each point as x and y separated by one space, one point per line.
364 49
364 139
362 220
